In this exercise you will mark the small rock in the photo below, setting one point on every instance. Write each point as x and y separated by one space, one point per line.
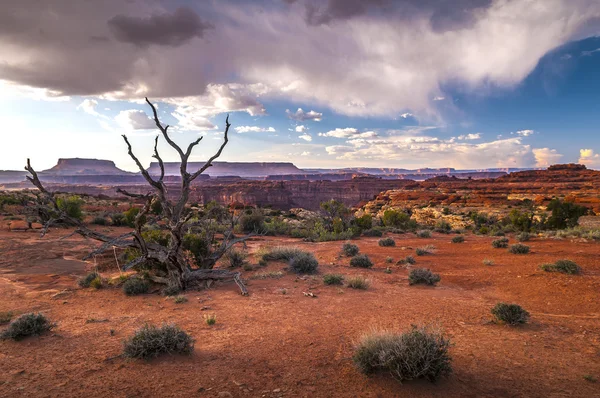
225 394
277 390
36 225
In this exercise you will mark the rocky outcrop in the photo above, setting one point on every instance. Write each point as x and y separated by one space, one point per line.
77 166
241 169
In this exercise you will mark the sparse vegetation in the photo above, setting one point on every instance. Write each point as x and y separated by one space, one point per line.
423 276
407 260
387 242
268 275
71 205
99 221
171 290
425 233
519 248
304 263
350 249
280 253
358 282
150 341
417 353
235 258
180 299
210 319
136 286
373 232
424 250
501 243
458 239
90 278
333 279
361 261
389 260
5 317
27 325
510 314
562 266
523 236
488 262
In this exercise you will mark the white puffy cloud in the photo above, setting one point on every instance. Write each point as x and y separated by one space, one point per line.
89 106
524 133
134 119
589 158
406 115
545 157
254 129
301 129
301 116
305 137
469 137
305 153
348 132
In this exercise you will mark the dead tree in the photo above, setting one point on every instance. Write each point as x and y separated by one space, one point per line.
180 272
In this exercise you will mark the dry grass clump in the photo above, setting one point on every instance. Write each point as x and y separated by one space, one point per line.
27 325
358 282
423 276
414 354
350 249
562 266
387 242
361 261
235 258
333 279
510 314
150 341
424 250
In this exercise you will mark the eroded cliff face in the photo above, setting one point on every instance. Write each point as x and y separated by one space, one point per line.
77 166
241 169
573 182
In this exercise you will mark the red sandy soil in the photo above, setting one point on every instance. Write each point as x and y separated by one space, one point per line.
272 344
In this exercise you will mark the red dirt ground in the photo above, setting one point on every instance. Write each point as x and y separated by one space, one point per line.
272 344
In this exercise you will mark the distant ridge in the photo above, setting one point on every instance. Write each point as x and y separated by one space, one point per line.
241 169
79 166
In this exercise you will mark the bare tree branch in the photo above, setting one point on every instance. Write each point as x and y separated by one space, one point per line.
216 155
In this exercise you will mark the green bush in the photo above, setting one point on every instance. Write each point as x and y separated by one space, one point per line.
364 222
374 232
443 227
118 219
519 248
235 258
423 276
99 221
156 236
86 281
361 261
417 353
130 216
523 236
281 253
425 233
500 243
304 263
71 205
395 218
564 214
253 222
407 260
135 286
511 314
350 249
562 266
27 325
199 245
151 341
458 239
358 282
333 279
428 249
387 242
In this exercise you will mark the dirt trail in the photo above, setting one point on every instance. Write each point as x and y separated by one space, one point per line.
288 345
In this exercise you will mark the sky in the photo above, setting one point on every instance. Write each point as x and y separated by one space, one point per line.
469 84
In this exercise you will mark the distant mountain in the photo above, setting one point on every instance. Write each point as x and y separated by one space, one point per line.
77 166
241 169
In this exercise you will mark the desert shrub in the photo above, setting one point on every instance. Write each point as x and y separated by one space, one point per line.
523 236
389 260
333 279
395 218
520 220
562 266
210 319
498 233
374 232
156 207
180 299
350 249
118 219
276 227
335 209
519 248
150 341
253 222
135 286
358 282
564 214
458 239
97 283
361 261
199 245
443 227
280 253
425 233
417 353
99 221
423 276
156 236
5 317
488 262
235 258
27 325
304 263
511 314
71 205
171 290
424 250
364 222
86 281
130 216
500 243
387 242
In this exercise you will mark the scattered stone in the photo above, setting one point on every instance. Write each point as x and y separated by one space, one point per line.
225 394
18 225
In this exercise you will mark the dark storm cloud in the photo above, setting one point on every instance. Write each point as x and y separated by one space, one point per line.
444 14
161 29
